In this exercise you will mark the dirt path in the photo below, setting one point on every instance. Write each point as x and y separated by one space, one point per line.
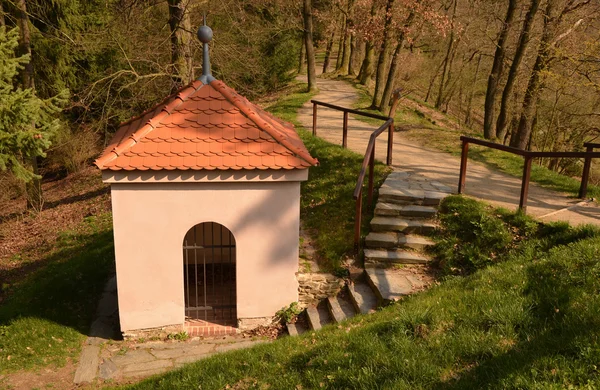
482 182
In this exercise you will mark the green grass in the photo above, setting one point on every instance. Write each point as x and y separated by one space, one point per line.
528 322
327 206
474 235
46 317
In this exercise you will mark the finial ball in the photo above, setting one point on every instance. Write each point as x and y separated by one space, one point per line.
205 34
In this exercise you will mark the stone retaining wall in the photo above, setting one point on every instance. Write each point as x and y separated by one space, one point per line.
313 287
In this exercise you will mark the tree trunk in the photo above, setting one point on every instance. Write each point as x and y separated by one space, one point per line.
496 73
338 62
308 42
468 120
439 100
181 43
328 52
502 123
520 137
366 69
383 54
33 188
352 59
391 78
302 59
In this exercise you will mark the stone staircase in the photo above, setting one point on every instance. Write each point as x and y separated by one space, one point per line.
404 215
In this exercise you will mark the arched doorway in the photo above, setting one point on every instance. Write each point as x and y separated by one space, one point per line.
209 275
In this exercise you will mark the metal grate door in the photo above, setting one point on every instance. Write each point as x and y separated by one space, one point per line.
209 274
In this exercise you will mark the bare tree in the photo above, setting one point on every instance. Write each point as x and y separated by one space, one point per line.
496 72
502 123
549 41
181 43
383 54
391 78
308 43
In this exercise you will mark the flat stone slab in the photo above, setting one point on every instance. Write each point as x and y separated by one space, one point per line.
395 256
147 368
388 285
107 370
133 357
88 364
414 211
389 240
335 309
173 353
383 224
381 240
295 329
414 241
362 297
314 319
433 198
403 195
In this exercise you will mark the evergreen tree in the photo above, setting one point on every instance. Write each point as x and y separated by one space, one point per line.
20 109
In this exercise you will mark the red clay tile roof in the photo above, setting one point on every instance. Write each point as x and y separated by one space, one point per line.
205 127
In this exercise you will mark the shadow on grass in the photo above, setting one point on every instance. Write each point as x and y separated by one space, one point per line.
563 329
67 289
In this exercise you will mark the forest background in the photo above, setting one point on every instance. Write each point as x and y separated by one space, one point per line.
520 72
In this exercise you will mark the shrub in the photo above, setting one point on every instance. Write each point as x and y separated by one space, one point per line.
73 150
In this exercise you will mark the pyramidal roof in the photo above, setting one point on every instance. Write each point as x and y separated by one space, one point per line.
205 127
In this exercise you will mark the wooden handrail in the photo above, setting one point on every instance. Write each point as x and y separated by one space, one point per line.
369 159
368 152
528 157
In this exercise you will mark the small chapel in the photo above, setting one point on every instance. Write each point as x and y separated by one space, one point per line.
205 190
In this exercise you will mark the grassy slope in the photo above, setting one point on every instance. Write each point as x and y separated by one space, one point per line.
424 129
327 206
530 321
46 316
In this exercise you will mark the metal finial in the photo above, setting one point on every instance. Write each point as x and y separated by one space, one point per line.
205 35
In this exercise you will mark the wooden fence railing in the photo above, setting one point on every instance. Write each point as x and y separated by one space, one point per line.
369 159
528 157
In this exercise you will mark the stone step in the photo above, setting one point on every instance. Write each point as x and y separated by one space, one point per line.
386 224
391 257
411 211
295 329
362 297
389 194
390 285
340 308
394 240
318 316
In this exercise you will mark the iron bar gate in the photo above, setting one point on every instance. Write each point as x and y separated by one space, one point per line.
209 274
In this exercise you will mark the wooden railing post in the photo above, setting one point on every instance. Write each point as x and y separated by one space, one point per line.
585 176
345 131
371 173
357 221
463 166
315 119
390 144
525 183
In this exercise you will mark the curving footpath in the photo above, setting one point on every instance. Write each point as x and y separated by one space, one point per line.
482 182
